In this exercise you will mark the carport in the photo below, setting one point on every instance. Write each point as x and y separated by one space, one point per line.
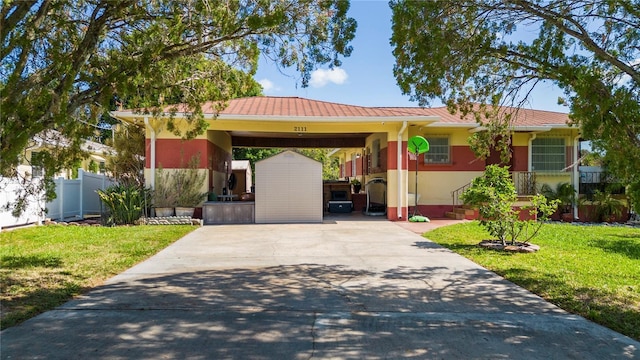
380 134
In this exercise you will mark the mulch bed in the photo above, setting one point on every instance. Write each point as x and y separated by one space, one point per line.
517 247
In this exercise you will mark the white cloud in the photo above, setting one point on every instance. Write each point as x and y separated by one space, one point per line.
268 85
322 77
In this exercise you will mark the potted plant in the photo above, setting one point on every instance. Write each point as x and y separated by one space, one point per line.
164 195
357 186
566 193
188 183
608 208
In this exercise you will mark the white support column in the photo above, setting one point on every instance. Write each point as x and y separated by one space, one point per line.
402 186
153 152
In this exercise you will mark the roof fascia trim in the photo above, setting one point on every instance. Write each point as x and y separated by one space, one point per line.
123 115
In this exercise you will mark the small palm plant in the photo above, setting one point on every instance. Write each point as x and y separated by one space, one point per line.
608 208
125 203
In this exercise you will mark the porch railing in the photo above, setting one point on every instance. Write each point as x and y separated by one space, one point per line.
590 182
455 195
524 181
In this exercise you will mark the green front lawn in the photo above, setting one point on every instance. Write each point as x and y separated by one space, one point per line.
43 267
593 271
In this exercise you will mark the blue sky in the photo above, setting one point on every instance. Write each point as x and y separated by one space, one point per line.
366 77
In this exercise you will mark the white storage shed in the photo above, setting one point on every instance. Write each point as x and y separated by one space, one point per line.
288 189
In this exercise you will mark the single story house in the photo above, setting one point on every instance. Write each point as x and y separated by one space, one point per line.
371 142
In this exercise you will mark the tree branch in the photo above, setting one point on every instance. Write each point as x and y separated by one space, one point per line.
582 34
20 10
27 39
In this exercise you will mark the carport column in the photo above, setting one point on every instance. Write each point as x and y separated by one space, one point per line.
152 151
397 174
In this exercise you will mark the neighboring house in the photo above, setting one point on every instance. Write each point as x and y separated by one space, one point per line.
371 142
30 170
95 161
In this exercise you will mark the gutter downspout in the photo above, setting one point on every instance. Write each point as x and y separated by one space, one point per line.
400 171
530 159
153 152
575 174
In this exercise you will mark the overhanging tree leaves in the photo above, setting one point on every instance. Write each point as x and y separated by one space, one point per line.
64 62
467 53
330 166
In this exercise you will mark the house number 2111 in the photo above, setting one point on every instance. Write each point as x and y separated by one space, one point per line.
300 128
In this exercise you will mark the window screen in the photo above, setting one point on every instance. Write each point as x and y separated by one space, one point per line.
438 150
548 154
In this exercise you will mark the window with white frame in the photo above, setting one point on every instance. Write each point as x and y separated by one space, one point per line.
37 164
548 154
439 150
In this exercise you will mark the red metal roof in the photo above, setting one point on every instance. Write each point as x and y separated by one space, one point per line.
522 117
295 106
300 107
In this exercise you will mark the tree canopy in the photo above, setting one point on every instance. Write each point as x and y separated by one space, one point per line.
65 62
494 52
330 166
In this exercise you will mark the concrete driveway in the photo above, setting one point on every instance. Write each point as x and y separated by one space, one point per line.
338 290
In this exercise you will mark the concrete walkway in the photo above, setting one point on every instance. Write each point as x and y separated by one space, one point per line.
338 290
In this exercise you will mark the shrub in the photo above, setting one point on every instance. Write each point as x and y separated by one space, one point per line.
164 194
564 192
188 184
180 187
124 202
608 208
494 194
540 209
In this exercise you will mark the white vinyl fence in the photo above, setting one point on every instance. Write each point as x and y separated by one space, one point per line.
8 190
78 198
75 199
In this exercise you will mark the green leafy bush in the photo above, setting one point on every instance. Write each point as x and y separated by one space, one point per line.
494 194
608 208
125 203
564 192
